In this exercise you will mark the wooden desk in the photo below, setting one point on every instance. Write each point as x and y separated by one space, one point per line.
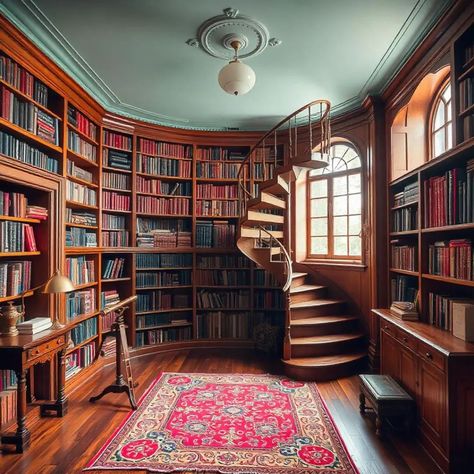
20 353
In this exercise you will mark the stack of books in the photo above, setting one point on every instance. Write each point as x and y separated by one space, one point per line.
34 325
37 212
404 310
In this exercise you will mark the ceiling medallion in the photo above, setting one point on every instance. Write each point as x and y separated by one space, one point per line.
233 37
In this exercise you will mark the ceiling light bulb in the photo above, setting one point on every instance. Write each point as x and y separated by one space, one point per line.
236 78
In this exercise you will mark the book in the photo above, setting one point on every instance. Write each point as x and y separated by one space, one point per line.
35 325
463 319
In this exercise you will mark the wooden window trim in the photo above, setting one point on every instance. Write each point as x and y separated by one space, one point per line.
438 97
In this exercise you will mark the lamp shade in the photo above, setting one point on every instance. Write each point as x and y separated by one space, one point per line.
58 284
236 78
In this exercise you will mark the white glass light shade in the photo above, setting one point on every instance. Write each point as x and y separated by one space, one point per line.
236 78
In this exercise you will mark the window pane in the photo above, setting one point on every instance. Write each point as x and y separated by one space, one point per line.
354 225
319 226
339 186
319 188
355 246
354 163
355 204
350 153
354 183
338 164
340 225
439 115
447 93
340 245
317 172
340 205
438 140
319 245
319 207
339 150
448 112
449 133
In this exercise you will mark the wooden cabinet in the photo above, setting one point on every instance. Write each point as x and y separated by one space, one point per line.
437 369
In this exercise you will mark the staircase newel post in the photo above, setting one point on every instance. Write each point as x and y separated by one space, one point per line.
287 339
287 234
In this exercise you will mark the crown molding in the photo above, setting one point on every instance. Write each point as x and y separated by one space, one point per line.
36 26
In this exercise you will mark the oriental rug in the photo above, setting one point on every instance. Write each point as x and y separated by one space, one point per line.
252 424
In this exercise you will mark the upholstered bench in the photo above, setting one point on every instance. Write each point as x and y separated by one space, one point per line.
386 398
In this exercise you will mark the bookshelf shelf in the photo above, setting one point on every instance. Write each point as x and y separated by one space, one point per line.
85 285
26 220
80 205
82 181
107 188
448 228
469 69
81 160
19 254
83 343
81 250
115 280
404 272
81 226
169 310
115 211
149 214
167 157
83 135
164 326
402 206
144 288
455 281
154 269
236 310
467 111
5 299
164 177
115 170
110 147
406 232
82 317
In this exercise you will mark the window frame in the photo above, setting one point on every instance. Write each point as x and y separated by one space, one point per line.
330 257
437 98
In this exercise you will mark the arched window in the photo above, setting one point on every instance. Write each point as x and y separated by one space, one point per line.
335 206
441 126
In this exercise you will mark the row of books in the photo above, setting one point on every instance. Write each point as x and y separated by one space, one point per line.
215 299
78 237
217 170
162 319
215 153
37 212
163 299
78 172
107 320
115 201
80 270
82 147
8 406
441 308
466 93
164 239
157 336
74 216
115 238
22 151
116 159
404 257
222 261
81 122
176 150
219 325
161 205
407 196
84 330
17 237
158 186
216 191
113 222
116 181
18 77
264 278
164 260
405 219
163 278
468 54
15 277
117 140
215 234
268 299
109 298
450 197
263 170
80 302
80 359
79 193
163 166
452 259
222 277
403 288
113 268
29 117
13 204
217 208
7 379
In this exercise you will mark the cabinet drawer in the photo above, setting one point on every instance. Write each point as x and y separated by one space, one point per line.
407 340
46 347
431 355
389 328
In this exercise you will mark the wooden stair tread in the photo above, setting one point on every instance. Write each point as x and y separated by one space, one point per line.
326 360
315 303
304 288
322 320
298 274
327 339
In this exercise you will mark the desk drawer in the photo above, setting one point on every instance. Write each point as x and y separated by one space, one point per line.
389 328
431 355
45 347
407 340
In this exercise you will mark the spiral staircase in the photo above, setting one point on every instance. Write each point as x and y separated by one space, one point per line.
321 340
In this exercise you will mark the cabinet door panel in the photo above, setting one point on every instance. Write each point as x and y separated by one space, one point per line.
390 350
408 371
432 404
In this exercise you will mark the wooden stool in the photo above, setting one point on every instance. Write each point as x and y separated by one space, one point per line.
386 398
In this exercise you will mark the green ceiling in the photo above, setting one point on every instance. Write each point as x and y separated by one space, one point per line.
132 56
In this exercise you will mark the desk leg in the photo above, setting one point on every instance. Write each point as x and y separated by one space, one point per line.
61 404
21 438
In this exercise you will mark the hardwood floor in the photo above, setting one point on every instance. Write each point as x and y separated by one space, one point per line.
64 446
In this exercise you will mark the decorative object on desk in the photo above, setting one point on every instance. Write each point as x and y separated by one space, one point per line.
9 317
121 348
34 325
231 423
463 319
404 310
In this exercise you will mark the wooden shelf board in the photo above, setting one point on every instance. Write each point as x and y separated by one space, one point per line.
116 211
82 317
106 188
83 135
456 281
159 311
220 180
220 161
223 286
165 326
404 272
147 214
448 228
154 269
30 136
402 206
168 157
83 161
80 205
466 73
110 147
216 199
81 250
469 110
217 217
140 288
119 170
4 299
81 226
237 310
82 181
19 254
164 249
216 250
405 232
85 285
26 220
159 176
83 343
140 193
115 280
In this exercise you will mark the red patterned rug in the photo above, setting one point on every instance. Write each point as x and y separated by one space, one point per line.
252 424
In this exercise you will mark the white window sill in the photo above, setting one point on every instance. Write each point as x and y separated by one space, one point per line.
336 264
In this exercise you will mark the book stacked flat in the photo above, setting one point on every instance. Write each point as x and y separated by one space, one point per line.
405 311
37 212
34 326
